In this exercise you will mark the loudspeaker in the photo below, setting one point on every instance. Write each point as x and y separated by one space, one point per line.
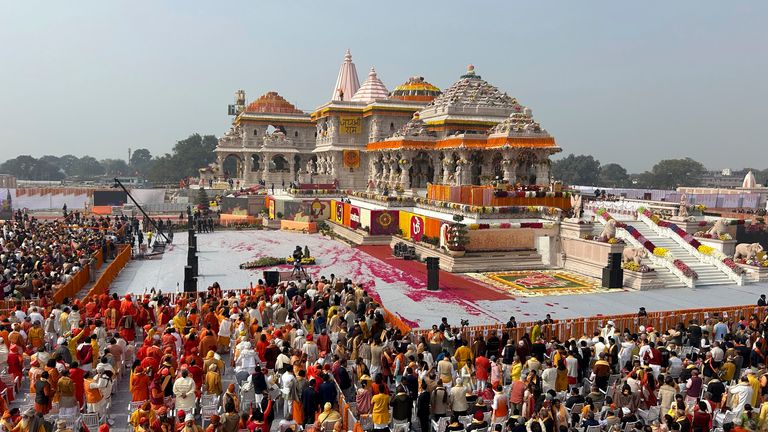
614 260
271 278
613 277
190 281
433 273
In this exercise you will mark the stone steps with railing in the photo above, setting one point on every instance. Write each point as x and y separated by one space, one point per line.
711 270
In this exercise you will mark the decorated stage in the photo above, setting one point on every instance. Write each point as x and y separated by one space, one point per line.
401 285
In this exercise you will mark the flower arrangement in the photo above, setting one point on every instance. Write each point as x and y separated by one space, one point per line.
263 262
312 191
310 260
704 249
760 260
457 235
660 251
722 237
687 271
632 266
508 225
733 266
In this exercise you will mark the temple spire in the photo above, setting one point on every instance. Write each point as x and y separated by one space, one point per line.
347 83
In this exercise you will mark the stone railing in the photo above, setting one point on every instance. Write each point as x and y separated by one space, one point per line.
703 258
488 212
623 234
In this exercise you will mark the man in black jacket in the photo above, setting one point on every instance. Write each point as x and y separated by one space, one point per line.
402 406
422 408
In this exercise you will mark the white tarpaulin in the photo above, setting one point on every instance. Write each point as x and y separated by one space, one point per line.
148 196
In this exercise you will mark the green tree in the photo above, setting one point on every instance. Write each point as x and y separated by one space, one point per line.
671 173
67 164
202 198
189 155
87 167
141 161
576 170
193 153
116 168
26 167
613 175
163 170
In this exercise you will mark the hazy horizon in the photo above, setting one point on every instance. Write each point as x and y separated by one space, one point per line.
626 83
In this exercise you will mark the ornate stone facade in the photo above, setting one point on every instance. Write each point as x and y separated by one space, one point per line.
470 134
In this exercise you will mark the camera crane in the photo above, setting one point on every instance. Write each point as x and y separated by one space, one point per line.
120 185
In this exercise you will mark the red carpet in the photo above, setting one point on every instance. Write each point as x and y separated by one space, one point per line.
457 285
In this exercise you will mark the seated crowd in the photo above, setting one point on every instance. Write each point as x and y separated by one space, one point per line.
37 257
321 356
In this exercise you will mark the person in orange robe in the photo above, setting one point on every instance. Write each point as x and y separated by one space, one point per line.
139 385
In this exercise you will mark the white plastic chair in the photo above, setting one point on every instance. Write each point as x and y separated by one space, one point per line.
133 406
91 421
441 424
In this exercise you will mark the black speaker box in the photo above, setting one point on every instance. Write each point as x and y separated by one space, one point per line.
433 273
271 278
613 277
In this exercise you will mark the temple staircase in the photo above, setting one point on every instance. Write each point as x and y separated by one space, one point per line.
708 274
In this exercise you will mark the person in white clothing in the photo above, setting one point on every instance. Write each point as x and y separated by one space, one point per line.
549 377
184 390
245 362
225 333
743 392
609 330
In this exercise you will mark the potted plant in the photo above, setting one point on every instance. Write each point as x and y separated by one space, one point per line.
457 237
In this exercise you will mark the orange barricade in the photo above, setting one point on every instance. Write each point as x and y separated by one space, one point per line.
113 269
78 281
575 328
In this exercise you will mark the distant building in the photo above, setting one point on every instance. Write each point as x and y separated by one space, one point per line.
7 181
723 179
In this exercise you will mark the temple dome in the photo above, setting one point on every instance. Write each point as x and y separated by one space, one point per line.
371 90
416 89
749 181
271 102
471 91
347 82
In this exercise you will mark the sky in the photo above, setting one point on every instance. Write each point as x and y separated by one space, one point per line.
627 82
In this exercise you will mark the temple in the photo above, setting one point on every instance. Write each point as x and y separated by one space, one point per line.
367 137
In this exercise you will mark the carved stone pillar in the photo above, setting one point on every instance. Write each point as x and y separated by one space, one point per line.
335 170
405 175
437 166
247 163
267 159
292 172
542 174
448 168
382 179
509 169
393 174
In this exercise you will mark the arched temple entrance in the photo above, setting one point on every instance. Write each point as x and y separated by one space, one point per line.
232 166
